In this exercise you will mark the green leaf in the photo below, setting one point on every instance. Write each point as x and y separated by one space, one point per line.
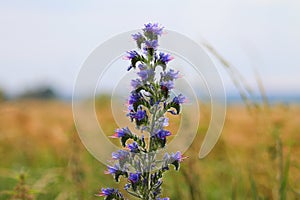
141 122
136 59
176 164
140 102
124 140
118 174
174 105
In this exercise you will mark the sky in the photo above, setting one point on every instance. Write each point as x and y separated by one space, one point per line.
46 42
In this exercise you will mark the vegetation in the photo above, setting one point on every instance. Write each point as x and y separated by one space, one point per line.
256 157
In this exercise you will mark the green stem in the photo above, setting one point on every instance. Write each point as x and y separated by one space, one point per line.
150 150
133 194
152 127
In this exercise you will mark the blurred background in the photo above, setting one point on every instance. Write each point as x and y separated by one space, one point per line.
255 46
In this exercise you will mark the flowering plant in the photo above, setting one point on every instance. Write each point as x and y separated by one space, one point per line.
148 103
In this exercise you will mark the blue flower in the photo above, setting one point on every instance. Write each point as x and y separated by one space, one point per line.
140 115
111 170
131 55
121 132
166 198
134 147
142 67
107 192
165 58
167 84
162 134
137 36
177 157
134 97
120 155
153 44
130 108
135 83
139 39
170 75
146 74
179 99
134 177
152 30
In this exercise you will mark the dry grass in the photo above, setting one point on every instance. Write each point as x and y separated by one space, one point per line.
39 136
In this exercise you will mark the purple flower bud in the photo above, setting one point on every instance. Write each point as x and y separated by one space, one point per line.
131 55
177 157
137 36
140 115
162 134
146 74
167 84
151 44
134 97
136 83
134 177
107 192
165 58
120 155
170 75
153 29
179 99
134 147
142 67
130 107
111 170
121 132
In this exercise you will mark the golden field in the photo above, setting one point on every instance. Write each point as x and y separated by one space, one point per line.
257 156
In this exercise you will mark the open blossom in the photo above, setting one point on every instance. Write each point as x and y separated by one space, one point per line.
134 177
119 155
140 114
146 74
131 54
167 84
142 66
151 44
137 36
107 192
111 170
153 29
170 75
179 99
165 58
162 134
134 147
134 97
135 83
121 132
177 157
